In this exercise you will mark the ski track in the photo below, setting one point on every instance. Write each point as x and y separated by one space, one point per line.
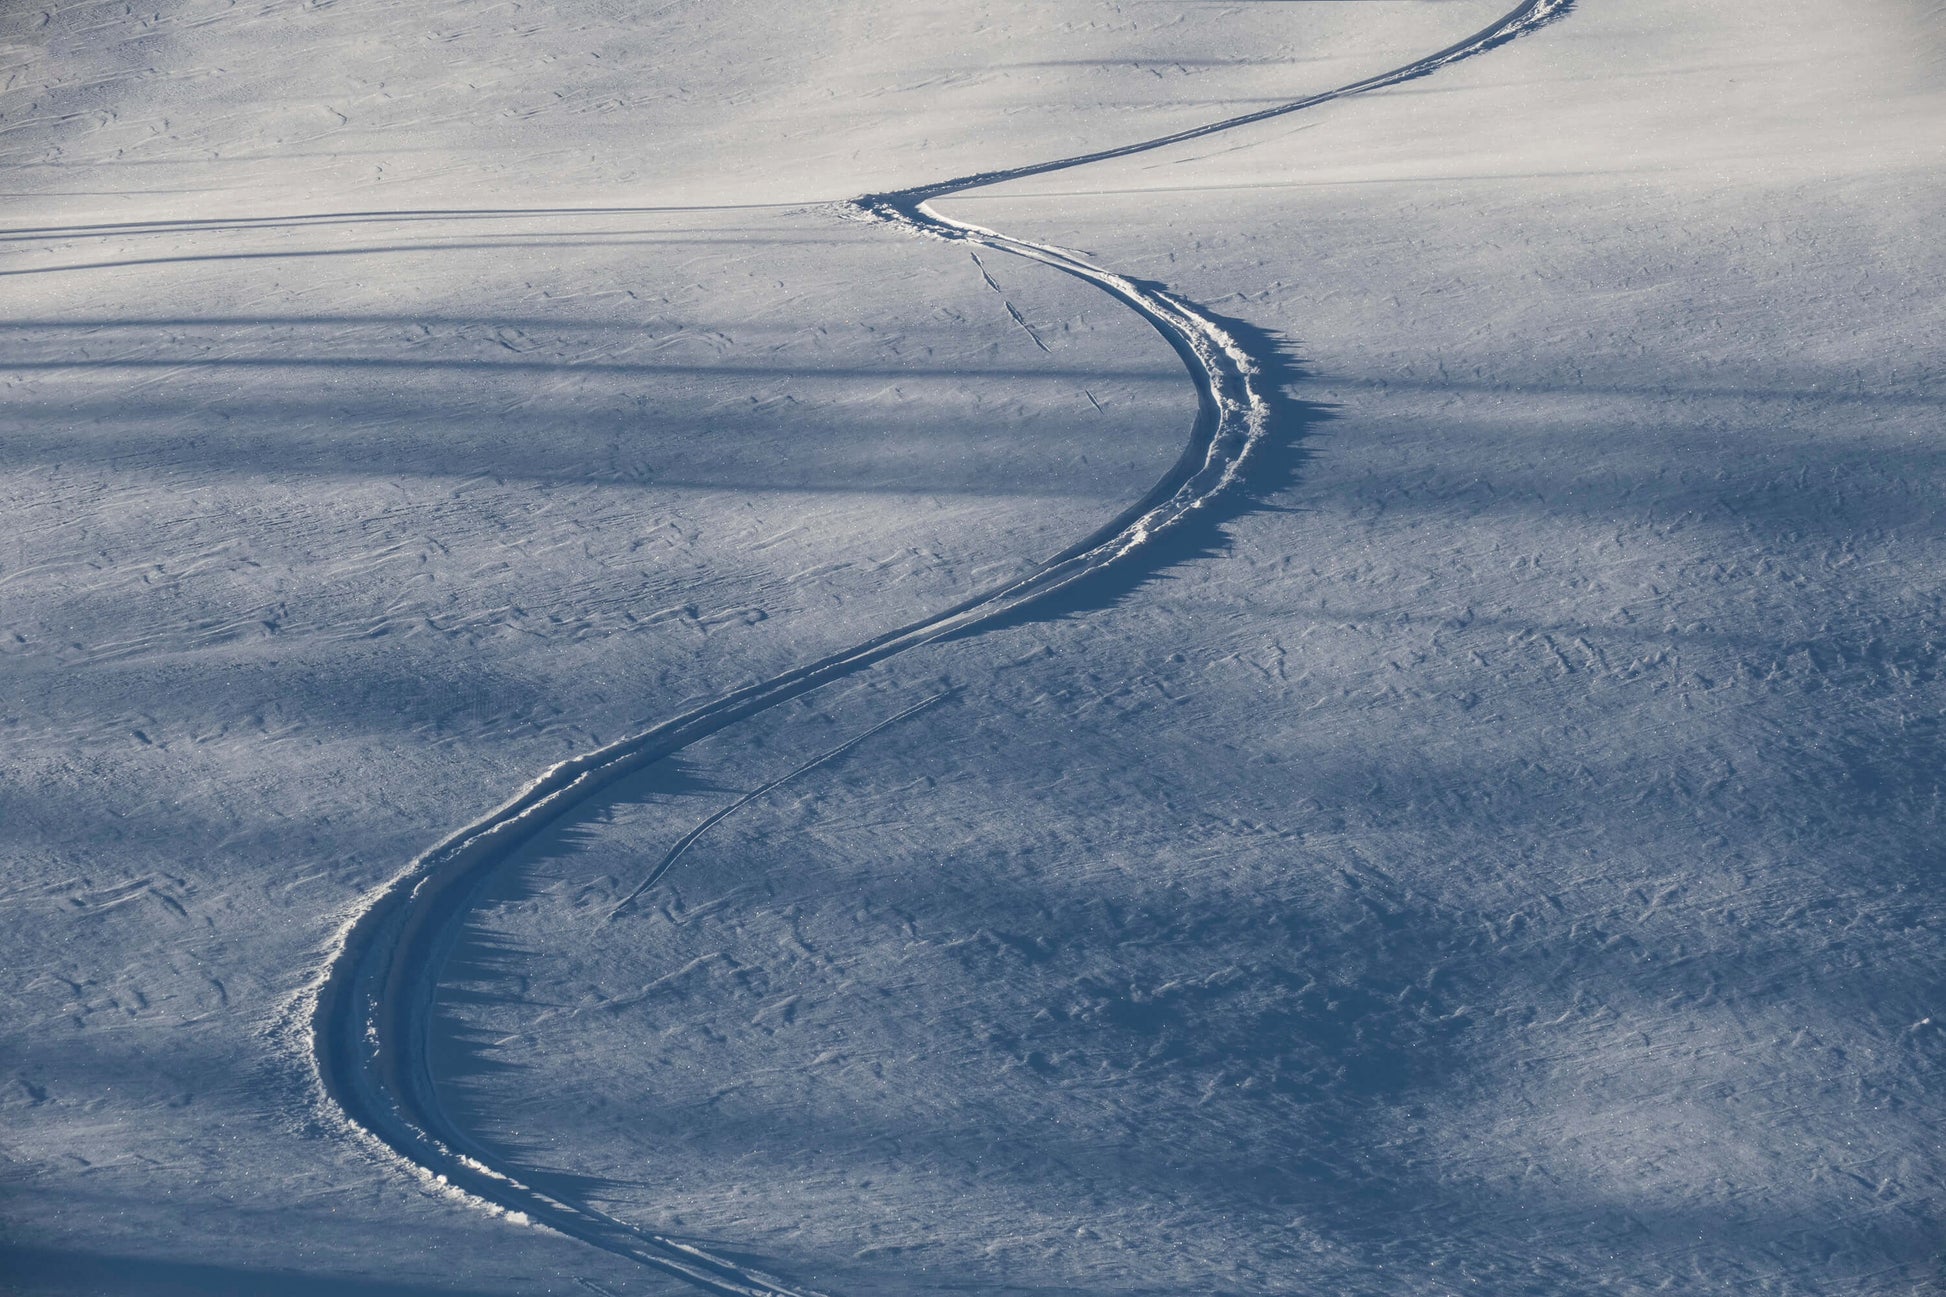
369 1014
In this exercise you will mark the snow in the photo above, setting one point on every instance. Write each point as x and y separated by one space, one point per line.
1494 847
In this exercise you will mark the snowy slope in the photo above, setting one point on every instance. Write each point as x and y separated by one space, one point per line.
1629 509
340 506
292 106
295 585
1507 862
1499 854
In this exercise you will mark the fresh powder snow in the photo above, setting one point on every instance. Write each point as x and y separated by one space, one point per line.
1079 648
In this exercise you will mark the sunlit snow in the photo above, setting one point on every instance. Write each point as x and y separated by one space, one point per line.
1077 647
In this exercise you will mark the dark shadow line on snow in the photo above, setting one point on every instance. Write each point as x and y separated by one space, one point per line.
835 373
52 1270
377 217
600 239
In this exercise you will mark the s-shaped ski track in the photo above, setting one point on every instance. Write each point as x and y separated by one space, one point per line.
371 1010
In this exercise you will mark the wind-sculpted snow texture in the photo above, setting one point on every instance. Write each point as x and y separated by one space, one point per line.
370 1017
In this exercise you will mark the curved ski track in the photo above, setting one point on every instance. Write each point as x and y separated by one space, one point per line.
371 1010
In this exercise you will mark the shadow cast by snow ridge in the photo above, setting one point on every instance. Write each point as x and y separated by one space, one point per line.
1274 467
59 1270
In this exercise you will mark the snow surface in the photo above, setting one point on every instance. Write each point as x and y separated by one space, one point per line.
1496 849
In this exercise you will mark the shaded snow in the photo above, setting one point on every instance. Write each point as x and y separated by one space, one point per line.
1500 854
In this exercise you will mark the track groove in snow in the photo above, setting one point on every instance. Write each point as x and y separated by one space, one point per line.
690 838
369 1014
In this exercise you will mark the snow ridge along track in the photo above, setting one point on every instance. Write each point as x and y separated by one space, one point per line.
370 1012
